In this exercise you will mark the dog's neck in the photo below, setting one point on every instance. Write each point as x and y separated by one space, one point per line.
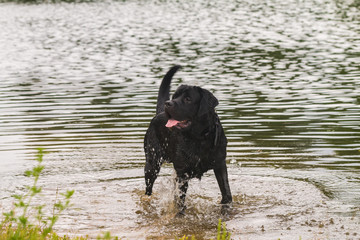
207 126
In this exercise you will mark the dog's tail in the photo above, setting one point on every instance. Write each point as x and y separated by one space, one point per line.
164 91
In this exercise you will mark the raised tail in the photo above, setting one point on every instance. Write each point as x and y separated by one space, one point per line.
164 91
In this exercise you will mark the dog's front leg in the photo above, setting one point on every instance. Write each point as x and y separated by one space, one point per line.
183 184
222 179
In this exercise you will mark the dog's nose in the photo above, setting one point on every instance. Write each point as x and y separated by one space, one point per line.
169 103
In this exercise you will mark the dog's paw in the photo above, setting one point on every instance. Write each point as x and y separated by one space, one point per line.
225 209
145 198
180 214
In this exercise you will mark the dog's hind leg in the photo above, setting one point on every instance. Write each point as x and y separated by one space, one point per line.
154 156
151 173
154 160
153 163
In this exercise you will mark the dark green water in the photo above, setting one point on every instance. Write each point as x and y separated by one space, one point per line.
81 80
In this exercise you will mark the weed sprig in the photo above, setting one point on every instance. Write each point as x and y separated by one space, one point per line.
222 233
18 223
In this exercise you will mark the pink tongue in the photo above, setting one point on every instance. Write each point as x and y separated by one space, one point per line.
171 122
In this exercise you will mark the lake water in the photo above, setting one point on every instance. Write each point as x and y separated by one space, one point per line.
81 80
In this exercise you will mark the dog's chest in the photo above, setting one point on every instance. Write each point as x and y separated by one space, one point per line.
191 156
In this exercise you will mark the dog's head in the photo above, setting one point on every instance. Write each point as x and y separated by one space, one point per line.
188 104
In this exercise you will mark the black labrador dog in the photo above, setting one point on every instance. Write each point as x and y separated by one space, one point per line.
186 131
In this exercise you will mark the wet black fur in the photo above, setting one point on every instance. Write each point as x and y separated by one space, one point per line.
193 150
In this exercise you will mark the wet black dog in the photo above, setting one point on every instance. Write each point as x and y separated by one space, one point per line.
186 131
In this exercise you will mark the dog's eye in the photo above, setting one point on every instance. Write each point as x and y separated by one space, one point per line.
187 100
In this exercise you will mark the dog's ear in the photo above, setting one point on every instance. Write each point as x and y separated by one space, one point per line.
207 103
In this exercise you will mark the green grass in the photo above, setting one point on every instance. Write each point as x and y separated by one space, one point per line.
222 233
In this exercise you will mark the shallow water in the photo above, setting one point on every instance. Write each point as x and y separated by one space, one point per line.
81 80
